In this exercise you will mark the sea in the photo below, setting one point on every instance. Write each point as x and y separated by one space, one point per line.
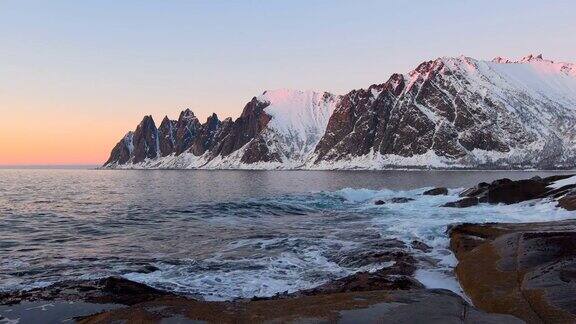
226 234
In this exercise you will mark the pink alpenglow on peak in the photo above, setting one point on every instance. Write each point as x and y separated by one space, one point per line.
544 65
447 113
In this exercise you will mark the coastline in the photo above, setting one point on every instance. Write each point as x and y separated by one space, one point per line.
390 293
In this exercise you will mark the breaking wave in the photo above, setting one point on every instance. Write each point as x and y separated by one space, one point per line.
250 247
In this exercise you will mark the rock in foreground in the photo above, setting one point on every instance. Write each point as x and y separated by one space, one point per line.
111 290
527 270
415 306
364 297
506 191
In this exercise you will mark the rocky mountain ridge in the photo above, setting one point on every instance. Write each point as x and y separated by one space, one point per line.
451 112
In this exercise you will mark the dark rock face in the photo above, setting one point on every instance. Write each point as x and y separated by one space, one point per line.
568 202
401 200
389 118
463 203
187 134
145 140
436 192
355 127
507 191
187 127
528 270
108 290
167 133
421 246
122 152
447 113
248 128
215 137
395 200
205 139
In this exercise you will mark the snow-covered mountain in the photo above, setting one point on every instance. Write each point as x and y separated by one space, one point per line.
452 112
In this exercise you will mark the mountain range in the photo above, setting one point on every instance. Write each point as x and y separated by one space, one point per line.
448 113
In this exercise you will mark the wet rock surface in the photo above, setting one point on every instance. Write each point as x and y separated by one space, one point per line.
395 200
436 192
388 295
401 200
398 276
111 290
527 270
568 202
414 306
506 191
463 203
421 246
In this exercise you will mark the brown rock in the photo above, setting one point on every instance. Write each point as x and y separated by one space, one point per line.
568 202
108 290
526 270
414 306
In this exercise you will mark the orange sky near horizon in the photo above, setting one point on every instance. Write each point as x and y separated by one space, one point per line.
37 138
52 136
75 76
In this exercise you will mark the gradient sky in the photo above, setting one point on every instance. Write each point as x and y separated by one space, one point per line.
76 75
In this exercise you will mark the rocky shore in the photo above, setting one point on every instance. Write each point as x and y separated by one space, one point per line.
512 273
358 298
527 270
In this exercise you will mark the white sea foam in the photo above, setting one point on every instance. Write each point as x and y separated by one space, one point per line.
264 246
304 263
424 220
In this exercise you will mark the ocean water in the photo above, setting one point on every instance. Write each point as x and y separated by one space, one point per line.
222 235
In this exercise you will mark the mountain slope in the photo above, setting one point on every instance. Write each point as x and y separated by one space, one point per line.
447 113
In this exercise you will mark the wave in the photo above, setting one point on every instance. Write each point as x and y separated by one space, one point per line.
264 246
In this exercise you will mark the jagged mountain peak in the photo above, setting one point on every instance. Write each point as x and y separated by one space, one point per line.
500 59
147 119
166 121
447 112
284 94
186 114
532 57
544 64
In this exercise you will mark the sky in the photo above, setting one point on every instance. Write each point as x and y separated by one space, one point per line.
75 76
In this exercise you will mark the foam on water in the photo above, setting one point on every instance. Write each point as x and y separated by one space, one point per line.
305 264
424 220
264 246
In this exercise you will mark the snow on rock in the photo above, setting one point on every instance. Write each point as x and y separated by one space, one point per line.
299 119
451 112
